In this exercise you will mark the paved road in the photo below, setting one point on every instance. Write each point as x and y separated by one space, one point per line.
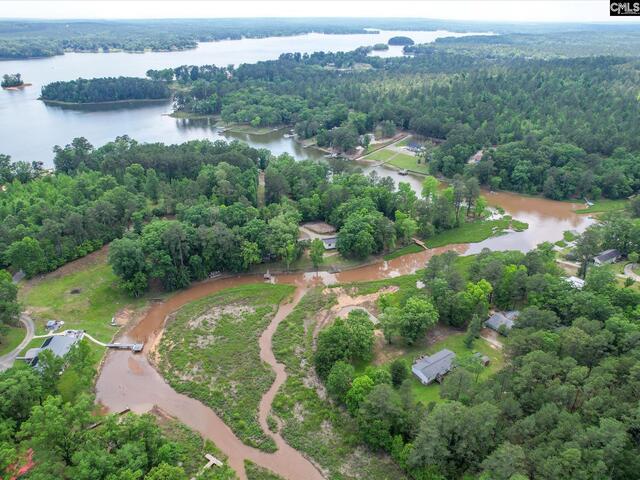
6 361
628 271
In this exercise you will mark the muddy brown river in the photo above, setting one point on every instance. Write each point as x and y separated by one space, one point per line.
130 381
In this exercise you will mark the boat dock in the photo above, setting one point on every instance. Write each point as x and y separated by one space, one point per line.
134 347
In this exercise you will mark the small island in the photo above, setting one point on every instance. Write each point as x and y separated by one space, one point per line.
380 46
400 41
13 81
105 90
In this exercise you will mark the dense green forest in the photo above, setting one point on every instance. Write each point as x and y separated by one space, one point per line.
100 90
132 191
563 407
565 128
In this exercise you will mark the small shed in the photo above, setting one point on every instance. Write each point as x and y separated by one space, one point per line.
330 243
608 256
435 367
483 359
502 320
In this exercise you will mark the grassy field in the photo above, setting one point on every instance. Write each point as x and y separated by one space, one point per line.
10 339
381 155
455 343
406 250
311 424
210 351
408 162
470 232
94 301
602 206
255 472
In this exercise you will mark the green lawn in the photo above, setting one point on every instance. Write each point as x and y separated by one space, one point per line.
602 206
323 432
11 338
406 250
381 155
408 162
97 299
210 351
455 343
469 232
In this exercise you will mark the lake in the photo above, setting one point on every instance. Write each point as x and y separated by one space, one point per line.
30 128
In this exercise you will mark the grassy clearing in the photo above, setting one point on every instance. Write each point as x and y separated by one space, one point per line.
311 424
406 250
455 343
97 300
255 472
469 232
210 351
444 338
602 206
244 128
408 162
10 339
381 155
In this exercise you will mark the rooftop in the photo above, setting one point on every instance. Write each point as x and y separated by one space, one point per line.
500 319
59 345
428 369
607 255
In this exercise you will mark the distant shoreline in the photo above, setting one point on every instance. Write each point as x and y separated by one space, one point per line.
18 87
109 102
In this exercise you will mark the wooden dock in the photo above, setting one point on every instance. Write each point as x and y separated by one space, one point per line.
419 242
134 347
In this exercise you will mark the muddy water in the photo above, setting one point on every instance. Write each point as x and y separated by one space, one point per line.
547 219
130 381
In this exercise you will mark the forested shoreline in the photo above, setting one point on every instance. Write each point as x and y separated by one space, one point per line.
538 122
129 193
105 90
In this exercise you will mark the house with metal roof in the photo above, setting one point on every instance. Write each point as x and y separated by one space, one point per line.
500 321
434 367
608 256
59 345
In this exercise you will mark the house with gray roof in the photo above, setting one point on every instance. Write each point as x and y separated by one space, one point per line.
608 256
435 367
59 345
502 320
330 243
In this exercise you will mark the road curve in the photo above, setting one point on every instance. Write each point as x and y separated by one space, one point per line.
628 271
6 361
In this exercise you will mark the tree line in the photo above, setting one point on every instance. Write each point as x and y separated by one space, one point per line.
99 90
559 127
184 211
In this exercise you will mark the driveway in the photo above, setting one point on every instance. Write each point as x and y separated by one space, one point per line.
628 271
6 361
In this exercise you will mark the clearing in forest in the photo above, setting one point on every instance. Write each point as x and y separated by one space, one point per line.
210 351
